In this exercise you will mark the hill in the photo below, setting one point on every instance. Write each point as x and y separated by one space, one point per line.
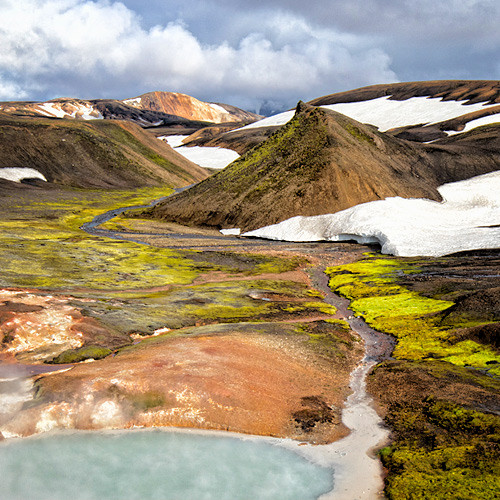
97 153
320 162
415 111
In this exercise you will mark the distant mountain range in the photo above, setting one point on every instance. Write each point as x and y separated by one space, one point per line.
150 109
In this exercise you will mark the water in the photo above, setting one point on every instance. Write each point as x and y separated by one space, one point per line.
150 465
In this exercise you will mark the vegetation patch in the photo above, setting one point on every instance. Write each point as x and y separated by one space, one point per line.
81 354
42 246
332 337
416 320
437 396
443 451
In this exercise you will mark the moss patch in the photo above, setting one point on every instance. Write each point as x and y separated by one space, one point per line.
82 354
444 451
416 320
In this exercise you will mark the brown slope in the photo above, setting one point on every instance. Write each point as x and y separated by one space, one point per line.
320 162
191 108
93 153
472 91
240 141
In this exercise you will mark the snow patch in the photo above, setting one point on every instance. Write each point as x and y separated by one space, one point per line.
208 157
218 108
136 102
231 231
217 158
464 220
485 120
17 174
78 110
173 140
385 113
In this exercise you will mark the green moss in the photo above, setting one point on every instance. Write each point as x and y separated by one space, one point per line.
316 293
331 337
357 133
42 246
81 354
321 307
443 451
416 320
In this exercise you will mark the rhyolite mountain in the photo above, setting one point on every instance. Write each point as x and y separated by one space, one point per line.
183 105
97 153
153 109
323 162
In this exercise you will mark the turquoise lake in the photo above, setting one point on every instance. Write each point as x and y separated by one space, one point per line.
146 465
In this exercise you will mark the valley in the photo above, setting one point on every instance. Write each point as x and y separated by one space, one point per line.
151 318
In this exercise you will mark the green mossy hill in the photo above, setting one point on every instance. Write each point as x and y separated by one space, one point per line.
423 325
319 162
95 153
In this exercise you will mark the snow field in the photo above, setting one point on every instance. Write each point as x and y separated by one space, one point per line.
464 220
386 114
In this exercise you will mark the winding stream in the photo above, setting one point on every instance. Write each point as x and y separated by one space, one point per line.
357 471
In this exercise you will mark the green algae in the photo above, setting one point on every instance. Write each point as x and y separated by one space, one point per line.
415 320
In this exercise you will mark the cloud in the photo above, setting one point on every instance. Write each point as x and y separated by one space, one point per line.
82 48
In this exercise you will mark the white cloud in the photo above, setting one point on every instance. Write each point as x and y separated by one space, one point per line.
97 49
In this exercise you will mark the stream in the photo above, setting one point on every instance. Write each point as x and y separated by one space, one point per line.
357 471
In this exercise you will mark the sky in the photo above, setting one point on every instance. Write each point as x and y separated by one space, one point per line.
259 55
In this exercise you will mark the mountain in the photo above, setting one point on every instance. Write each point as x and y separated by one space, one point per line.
152 109
322 162
188 107
97 153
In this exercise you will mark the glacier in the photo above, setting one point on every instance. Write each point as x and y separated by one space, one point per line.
468 218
